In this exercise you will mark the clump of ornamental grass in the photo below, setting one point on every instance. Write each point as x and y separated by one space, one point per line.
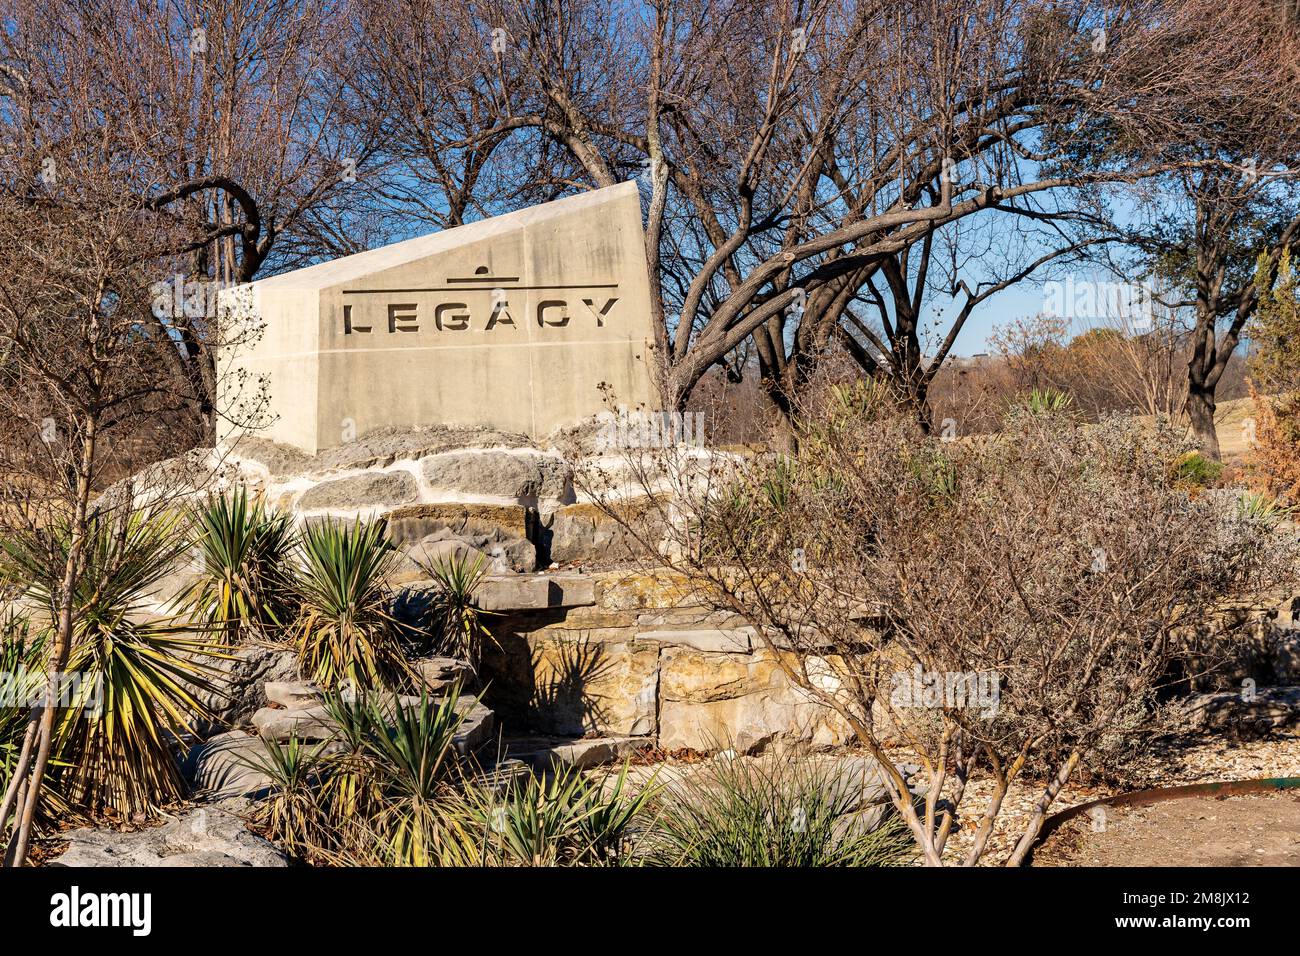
379 793
566 818
773 813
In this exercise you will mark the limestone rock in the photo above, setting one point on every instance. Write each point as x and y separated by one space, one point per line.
569 686
524 476
478 727
379 489
227 766
439 673
1254 713
292 694
860 778
499 554
710 640
544 753
496 522
585 533
206 836
314 723
710 701
534 592
641 591
377 448
240 690
306 723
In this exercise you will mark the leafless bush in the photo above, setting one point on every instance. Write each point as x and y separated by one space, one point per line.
1007 607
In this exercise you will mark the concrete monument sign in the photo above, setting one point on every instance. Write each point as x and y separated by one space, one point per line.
512 322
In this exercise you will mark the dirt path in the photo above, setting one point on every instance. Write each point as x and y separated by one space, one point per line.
1247 830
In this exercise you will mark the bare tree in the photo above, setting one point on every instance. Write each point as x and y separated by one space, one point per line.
227 116
1232 219
788 150
79 368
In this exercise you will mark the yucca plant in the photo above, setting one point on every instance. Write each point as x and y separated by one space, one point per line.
1047 401
22 679
1263 508
861 398
244 549
413 747
607 834
352 781
139 678
344 631
775 813
455 621
292 814
22 674
779 485
535 824
937 476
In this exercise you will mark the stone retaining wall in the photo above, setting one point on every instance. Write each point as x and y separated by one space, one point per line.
622 654
513 503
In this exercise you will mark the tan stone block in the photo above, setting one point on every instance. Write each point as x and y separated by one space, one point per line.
571 684
584 686
745 701
692 675
748 723
580 618
639 590
412 523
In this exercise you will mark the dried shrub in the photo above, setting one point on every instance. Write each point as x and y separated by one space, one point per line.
1050 569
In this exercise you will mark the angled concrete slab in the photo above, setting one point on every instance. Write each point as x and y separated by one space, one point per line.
523 322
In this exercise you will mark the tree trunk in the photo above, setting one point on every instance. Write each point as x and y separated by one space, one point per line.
41 726
1200 409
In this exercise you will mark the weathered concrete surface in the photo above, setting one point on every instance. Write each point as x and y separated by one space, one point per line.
514 322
